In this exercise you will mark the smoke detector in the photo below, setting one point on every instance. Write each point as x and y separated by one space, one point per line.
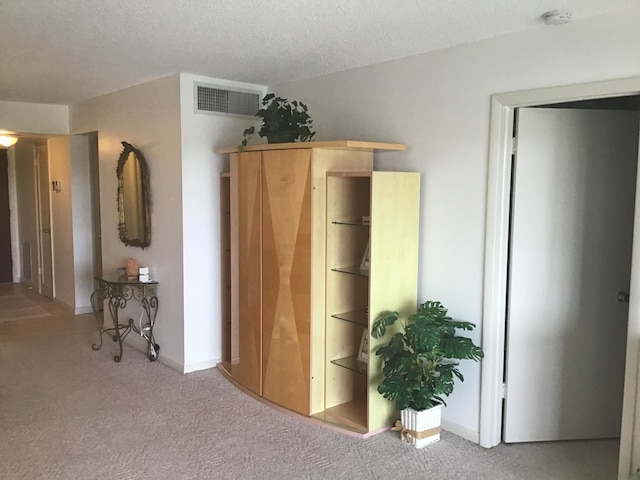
556 17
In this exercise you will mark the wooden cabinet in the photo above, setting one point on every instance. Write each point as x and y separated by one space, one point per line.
286 333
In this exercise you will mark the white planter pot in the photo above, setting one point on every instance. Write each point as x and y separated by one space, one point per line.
420 428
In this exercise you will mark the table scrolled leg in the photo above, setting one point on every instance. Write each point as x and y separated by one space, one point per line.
150 306
96 299
116 304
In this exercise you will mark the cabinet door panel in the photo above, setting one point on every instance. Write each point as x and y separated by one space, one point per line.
286 278
246 226
395 203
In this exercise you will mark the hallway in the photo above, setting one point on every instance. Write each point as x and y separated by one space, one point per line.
24 312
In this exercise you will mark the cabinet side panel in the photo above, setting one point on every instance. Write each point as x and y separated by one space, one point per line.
323 161
246 262
395 200
286 298
225 268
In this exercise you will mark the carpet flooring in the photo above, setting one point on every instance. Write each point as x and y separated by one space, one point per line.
19 304
68 412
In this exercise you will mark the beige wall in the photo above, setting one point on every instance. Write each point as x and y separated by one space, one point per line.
158 118
34 118
82 149
202 133
61 221
148 117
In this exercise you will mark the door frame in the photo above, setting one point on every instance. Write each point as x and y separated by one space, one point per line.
496 255
40 207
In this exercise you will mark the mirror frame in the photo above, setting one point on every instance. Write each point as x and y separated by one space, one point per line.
146 195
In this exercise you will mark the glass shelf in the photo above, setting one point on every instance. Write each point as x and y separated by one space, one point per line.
360 317
351 363
352 271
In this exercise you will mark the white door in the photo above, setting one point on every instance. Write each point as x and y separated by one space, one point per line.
571 234
45 267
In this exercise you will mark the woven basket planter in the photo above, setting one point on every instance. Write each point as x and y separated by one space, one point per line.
419 428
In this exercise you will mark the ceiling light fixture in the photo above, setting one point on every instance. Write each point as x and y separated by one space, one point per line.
8 140
556 17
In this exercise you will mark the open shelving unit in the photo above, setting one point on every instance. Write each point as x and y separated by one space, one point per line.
367 214
348 201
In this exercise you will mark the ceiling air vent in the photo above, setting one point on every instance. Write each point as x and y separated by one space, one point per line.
215 99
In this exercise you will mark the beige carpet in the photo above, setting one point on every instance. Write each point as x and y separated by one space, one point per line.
16 303
67 412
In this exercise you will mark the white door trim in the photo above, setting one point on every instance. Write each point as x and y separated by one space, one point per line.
496 259
13 219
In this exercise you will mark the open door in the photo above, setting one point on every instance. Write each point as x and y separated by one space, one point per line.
571 243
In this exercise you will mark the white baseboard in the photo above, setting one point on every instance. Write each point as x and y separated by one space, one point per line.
64 305
74 310
140 344
194 367
459 430
171 363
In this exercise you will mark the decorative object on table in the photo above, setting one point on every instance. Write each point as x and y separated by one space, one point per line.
418 369
134 193
143 274
282 122
131 268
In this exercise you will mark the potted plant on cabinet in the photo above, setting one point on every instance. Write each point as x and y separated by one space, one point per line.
419 367
282 121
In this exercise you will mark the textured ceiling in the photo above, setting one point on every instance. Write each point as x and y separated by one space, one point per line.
65 51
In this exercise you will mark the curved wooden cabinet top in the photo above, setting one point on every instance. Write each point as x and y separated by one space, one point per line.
351 144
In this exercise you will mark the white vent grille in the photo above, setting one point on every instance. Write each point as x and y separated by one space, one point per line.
215 99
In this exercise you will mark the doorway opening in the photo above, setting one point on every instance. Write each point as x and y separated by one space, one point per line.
6 261
571 230
497 255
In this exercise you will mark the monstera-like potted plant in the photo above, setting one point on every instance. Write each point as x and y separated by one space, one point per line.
282 121
419 367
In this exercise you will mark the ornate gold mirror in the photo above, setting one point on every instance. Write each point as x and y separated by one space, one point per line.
134 219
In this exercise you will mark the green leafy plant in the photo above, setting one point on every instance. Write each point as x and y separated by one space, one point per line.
418 369
282 121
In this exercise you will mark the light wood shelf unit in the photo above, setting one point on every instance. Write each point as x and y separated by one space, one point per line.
390 200
351 145
281 327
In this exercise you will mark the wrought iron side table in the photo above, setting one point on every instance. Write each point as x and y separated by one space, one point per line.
118 290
